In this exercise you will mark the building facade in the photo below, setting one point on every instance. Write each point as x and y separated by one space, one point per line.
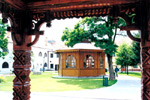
43 57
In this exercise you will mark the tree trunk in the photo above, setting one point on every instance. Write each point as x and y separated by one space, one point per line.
111 71
127 70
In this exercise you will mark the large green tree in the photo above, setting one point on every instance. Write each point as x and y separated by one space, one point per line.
125 56
100 30
3 39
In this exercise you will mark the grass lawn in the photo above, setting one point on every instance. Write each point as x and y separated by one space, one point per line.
134 74
45 83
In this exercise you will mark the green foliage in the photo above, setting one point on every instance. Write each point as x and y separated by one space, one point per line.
2 79
124 55
95 29
99 30
3 40
136 54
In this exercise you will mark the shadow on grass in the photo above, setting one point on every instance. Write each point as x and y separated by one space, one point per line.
86 83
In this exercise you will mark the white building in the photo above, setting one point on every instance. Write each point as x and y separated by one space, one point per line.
42 56
6 64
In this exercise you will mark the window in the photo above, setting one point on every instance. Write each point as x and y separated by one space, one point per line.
101 62
56 67
45 55
40 54
5 65
51 55
57 55
70 62
88 61
52 66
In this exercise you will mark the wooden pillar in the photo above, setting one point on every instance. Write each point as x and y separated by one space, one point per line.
145 72
21 65
22 29
145 49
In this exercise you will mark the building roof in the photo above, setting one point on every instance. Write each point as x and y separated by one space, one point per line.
85 47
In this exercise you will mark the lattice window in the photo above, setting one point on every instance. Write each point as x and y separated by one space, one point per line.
88 61
70 62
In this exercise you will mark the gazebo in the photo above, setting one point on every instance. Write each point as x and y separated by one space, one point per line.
83 60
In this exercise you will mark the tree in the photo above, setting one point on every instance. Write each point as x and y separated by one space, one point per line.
136 54
3 40
100 30
124 55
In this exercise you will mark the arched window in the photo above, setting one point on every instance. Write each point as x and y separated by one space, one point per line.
88 61
101 62
5 65
45 55
40 54
70 62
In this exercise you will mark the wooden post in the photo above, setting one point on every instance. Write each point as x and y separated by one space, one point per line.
21 65
145 49
145 72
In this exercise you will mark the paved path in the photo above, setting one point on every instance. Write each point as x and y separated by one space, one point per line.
127 88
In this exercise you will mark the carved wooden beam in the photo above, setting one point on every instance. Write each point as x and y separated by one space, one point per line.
132 37
63 5
17 4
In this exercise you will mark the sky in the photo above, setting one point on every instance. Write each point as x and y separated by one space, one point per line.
56 30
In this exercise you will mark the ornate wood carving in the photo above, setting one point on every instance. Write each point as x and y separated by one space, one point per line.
132 37
81 13
145 37
21 83
146 73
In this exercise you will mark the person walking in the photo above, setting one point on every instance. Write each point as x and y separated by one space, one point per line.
116 71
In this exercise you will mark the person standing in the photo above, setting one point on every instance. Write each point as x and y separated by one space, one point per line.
116 71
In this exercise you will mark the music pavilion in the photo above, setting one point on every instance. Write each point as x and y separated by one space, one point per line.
83 60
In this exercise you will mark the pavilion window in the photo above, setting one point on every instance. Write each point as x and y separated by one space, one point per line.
70 62
88 61
101 62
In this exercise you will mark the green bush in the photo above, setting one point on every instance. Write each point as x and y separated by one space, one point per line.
2 79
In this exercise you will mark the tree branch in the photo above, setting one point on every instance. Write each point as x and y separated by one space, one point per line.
115 33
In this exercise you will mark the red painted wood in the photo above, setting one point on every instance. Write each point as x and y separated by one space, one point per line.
21 65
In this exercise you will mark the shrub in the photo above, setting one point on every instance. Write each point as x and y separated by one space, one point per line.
2 79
